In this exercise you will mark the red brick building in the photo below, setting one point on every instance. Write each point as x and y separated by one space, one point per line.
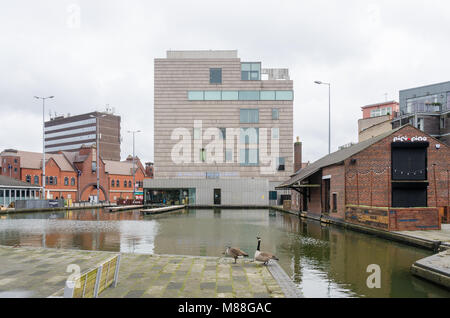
72 175
395 181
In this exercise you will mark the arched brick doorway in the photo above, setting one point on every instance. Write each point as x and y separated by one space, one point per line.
91 190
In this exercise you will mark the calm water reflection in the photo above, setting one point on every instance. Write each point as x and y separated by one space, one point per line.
324 261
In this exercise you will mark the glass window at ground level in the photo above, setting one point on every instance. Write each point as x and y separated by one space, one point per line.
228 155
215 76
272 195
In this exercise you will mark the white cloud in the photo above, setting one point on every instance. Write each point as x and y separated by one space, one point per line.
365 49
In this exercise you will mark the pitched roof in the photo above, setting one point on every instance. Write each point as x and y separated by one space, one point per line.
33 160
120 167
334 158
11 182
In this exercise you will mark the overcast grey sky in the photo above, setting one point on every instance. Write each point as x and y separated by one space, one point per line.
364 48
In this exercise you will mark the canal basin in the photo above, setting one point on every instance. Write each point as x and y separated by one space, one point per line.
323 261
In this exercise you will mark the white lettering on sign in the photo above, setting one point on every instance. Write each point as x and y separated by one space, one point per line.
412 139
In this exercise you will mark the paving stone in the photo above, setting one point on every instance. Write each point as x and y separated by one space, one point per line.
10 273
135 294
207 285
173 285
135 275
224 289
261 295
39 273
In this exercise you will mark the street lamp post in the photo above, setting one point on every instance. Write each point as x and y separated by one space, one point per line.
329 113
43 142
134 177
97 165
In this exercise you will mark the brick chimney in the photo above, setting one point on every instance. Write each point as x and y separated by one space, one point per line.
297 155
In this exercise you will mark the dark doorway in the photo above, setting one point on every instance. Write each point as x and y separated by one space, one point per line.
305 199
327 195
217 196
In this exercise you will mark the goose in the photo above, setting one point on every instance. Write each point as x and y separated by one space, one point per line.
235 252
263 256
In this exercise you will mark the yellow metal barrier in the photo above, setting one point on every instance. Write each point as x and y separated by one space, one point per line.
93 282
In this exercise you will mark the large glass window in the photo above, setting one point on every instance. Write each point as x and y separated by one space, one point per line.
248 156
249 116
248 95
249 136
195 95
240 95
72 181
230 95
267 95
275 133
36 179
28 178
284 95
381 111
66 181
251 71
215 76
197 133
113 183
422 104
213 95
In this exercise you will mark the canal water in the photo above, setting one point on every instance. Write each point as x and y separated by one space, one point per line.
322 260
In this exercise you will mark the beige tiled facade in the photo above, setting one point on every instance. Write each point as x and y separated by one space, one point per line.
183 71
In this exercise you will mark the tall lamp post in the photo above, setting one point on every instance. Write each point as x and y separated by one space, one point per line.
43 142
134 177
329 113
97 165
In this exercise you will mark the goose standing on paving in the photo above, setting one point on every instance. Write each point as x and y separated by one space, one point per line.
234 252
263 256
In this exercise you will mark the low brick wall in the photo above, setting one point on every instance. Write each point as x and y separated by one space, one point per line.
374 217
394 219
414 219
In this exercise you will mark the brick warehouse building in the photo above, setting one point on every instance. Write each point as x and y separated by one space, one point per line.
72 175
396 181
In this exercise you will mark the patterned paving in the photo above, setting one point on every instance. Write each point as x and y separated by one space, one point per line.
39 272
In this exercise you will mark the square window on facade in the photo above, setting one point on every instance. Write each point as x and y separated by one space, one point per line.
280 164
275 114
215 76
